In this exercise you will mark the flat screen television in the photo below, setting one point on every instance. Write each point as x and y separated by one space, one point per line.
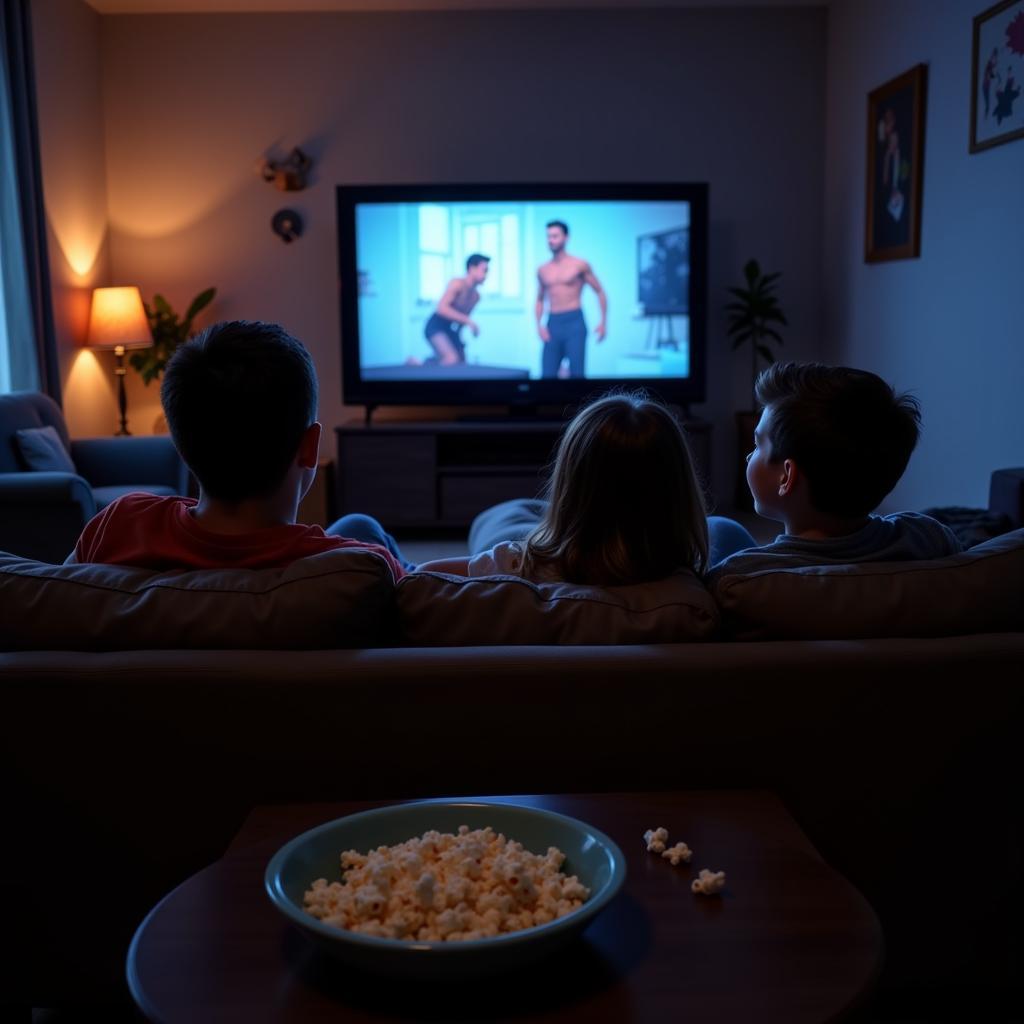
497 294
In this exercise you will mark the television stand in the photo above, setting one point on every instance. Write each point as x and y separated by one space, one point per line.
517 414
442 473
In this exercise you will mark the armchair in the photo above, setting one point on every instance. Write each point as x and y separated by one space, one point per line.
42 513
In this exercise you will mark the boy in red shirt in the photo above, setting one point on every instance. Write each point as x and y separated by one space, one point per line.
241 401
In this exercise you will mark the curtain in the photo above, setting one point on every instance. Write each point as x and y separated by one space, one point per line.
24 271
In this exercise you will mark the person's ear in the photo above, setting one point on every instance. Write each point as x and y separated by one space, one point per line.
789 477
309 447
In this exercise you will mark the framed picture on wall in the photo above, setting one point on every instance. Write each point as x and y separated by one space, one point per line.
997 75
895 172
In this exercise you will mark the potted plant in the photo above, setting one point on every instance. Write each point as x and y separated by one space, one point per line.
753 311
169 331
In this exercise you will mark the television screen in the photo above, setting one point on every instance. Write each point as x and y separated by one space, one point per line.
517 293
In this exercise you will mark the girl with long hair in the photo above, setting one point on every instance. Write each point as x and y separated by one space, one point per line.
623 505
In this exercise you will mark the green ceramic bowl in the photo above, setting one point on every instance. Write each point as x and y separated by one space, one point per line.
590 855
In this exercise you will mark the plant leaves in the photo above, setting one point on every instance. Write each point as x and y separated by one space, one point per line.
168 334
201 301
753 309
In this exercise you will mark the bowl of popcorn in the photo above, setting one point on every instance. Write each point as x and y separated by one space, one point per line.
442 887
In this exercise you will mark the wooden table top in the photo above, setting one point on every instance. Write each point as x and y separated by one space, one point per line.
789 940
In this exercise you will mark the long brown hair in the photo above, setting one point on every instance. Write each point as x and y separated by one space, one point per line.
624 502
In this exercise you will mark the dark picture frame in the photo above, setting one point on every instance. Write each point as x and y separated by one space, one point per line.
997 76
895 167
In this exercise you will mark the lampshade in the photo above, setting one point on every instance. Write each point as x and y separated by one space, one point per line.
118 318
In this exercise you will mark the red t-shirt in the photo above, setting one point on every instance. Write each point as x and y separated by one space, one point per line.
159 533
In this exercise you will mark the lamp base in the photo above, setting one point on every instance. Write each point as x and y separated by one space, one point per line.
122 397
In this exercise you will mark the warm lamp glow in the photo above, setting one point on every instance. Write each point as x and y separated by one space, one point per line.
118 319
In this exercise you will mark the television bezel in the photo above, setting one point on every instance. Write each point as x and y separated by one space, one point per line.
512 392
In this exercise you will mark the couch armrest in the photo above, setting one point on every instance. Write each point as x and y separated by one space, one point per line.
1006 494
116 461
46 489
42 514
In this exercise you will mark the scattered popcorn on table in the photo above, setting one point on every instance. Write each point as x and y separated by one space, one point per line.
708 882
676 854
443 887
656 838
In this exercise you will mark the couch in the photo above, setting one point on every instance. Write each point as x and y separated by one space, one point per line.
899 756
47 496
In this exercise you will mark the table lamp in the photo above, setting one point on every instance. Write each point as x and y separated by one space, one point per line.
118 321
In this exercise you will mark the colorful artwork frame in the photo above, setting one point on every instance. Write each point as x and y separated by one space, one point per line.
997 76
895 167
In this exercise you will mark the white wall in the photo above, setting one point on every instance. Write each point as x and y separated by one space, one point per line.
948 325
733 97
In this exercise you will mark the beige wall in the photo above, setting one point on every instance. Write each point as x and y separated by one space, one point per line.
191 102
734 97
66 38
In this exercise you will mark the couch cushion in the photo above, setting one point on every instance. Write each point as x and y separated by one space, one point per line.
43 450
980 590
438 608
20 410
105 495
333 599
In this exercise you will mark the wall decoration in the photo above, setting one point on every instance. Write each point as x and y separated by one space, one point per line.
997 74
287 225
289 174
895 173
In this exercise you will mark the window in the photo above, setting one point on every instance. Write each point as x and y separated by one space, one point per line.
435 252
5 358
8 205
19 365
448 235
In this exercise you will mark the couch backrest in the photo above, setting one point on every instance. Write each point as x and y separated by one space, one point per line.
20 410
980 590
440 609
342 598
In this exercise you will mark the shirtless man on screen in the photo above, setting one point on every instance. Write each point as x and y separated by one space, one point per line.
561 282
443 328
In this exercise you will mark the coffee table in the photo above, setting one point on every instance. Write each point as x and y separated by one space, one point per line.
789 940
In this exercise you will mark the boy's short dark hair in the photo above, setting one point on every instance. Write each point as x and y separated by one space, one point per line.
475 259
846 429
238 397
558 224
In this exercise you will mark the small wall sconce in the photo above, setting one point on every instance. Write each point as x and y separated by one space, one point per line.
287 225
289 174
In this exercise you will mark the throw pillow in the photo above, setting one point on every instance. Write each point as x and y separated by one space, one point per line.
980 590
333 599
43 451
440 609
